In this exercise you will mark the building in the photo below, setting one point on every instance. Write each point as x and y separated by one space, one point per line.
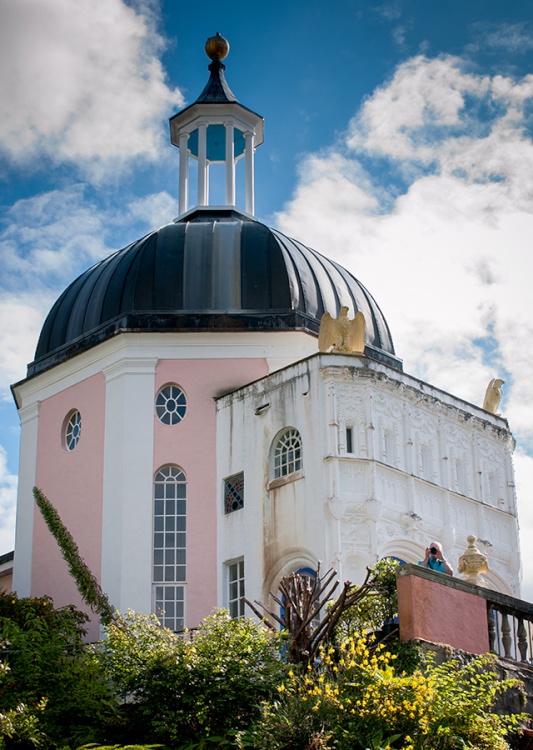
197 444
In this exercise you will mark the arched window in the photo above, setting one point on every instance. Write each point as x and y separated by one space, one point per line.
287 455
169 560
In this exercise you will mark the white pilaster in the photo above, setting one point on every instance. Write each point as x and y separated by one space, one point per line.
249 150
230 164
202 164
29 422
128 470
184 173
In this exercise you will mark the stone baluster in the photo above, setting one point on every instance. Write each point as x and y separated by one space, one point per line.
491 615
522 639
506 636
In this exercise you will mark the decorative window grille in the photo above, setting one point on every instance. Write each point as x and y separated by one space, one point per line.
236 589
234 493
288 454
72 432
170 404
169 550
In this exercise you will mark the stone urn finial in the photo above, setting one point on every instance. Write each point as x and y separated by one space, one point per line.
472 563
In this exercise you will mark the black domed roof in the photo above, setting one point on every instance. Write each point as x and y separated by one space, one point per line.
214 270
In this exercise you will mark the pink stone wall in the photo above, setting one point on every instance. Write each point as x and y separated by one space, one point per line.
191 445
442 614
72 481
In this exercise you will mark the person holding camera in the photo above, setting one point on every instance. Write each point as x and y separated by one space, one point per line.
435 560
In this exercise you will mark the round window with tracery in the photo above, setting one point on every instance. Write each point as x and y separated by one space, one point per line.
73 430
170 404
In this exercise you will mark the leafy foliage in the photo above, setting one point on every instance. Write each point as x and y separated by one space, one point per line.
355 699
51 689
379 606
20 724
86 582
206 685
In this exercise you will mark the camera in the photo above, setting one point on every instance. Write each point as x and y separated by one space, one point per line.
434 550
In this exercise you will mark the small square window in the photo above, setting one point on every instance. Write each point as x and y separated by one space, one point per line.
234 493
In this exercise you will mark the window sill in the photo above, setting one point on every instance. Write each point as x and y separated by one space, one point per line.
280 481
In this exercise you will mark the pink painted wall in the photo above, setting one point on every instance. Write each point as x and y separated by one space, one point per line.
72 481
442 614
191 445
6 582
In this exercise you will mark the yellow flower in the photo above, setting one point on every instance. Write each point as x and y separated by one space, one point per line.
281 688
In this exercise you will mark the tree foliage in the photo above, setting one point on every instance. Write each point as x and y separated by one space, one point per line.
208 684
51 691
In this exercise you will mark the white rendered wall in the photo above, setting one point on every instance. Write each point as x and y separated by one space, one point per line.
425 466
128 477
25 503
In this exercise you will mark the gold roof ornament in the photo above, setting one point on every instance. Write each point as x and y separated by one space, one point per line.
493 396
345 335
216 47
472 563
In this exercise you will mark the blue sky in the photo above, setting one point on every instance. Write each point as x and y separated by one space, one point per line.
398 141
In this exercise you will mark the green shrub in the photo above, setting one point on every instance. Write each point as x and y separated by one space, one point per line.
207 684
355 699
46 656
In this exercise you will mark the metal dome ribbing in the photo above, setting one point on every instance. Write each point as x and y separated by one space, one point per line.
218 270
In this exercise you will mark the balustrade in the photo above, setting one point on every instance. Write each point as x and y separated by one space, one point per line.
510 630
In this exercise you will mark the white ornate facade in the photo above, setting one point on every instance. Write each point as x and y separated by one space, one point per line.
388 463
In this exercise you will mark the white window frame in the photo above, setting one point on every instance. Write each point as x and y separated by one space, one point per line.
236 582
169 546
287 454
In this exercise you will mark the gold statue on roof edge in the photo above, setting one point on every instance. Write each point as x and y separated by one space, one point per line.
345 335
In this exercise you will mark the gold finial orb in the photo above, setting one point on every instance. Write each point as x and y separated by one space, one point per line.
216 47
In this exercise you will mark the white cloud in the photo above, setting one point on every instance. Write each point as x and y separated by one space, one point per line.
81 82
18 339
49 235
511 37
447 249
8 496
155 210
401 119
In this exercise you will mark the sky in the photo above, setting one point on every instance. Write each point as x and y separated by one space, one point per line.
398 141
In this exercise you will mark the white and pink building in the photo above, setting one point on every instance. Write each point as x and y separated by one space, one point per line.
196 443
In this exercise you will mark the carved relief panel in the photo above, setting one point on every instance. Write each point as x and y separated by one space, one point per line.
351 419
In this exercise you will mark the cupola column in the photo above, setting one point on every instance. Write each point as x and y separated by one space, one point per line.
230 164
203 167
249 140
184 173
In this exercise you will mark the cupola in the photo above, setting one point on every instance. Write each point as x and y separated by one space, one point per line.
216 129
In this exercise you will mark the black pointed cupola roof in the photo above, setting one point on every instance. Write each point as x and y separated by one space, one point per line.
216 90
